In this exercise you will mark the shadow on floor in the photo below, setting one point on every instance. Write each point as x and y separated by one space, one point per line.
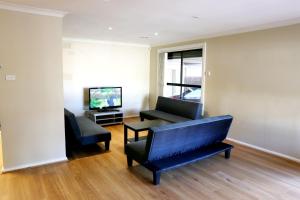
87 151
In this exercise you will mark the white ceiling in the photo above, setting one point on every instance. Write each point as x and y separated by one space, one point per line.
173 20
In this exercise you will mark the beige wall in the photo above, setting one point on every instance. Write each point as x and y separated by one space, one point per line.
31 107
255 78
95 64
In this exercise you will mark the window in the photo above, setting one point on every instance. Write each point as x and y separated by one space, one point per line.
183 74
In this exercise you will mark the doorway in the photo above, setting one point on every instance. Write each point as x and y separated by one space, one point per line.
181 73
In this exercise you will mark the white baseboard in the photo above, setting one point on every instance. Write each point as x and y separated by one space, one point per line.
131 116
265 150
35 164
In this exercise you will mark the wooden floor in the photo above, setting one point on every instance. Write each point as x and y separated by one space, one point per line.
249 174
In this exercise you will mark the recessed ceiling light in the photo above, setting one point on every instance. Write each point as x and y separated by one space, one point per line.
156 33
145 37
110 28
195 17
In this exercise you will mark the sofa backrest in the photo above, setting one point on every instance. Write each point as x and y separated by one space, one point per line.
71 124
187 109
178 138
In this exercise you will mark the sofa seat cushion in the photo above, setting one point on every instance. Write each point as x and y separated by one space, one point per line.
156 114
137 150
91 132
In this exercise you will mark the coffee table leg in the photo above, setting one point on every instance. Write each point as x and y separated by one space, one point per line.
136 135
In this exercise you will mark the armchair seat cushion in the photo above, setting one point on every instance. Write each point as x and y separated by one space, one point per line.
89 128
91 132
137 150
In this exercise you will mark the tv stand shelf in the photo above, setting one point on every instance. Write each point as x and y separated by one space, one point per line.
106 118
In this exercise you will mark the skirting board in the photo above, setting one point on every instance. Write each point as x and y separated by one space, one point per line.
35 164
131 116
265 150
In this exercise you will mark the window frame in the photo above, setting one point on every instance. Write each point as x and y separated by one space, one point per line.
157 75
181 84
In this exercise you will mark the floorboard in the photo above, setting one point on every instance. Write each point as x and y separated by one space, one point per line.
249 174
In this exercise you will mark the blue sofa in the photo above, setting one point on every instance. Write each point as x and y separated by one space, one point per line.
173 110
81 131
174 145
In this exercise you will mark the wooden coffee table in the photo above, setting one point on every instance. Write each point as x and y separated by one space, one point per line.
141 126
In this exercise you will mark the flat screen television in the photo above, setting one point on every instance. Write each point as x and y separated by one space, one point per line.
102 98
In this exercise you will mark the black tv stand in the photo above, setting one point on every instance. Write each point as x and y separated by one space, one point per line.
106 117
108 110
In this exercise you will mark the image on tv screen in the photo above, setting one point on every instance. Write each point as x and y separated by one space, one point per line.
105 97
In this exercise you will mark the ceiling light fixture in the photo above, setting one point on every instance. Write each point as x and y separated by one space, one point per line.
145 37
156 33
110 28
195 17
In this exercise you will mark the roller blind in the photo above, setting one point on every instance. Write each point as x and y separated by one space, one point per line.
185 54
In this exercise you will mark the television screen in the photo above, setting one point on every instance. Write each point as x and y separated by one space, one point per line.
105 97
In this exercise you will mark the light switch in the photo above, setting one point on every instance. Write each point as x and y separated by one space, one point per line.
10 77
208 73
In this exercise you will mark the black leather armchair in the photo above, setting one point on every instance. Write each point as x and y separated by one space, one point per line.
82 131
